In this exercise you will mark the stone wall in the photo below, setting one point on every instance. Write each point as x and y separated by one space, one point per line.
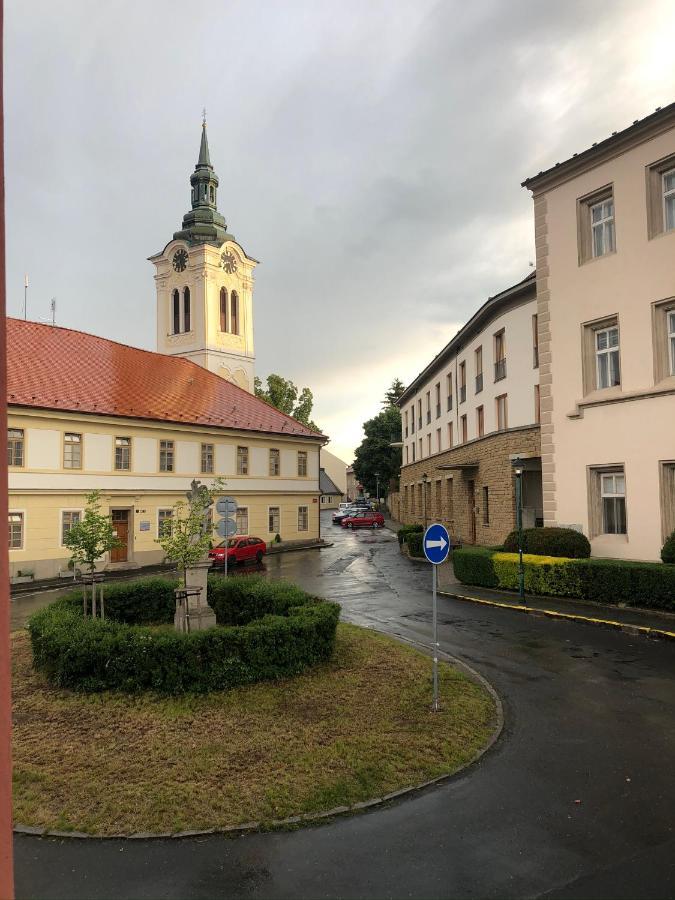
456 496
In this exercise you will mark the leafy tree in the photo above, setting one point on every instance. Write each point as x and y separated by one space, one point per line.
375 455
186 537
90 538
394 394
283 394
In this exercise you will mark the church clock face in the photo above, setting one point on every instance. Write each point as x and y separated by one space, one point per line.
180 259
228 262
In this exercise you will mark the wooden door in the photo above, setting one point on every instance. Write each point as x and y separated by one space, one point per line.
120 523
472 511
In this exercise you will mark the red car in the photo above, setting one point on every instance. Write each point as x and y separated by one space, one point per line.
238 549
365 518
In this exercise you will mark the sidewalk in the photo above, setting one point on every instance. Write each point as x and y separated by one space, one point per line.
650 622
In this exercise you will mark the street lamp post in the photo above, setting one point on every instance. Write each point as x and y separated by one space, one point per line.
518 471
425 481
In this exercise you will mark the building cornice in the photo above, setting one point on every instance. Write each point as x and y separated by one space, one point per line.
660 121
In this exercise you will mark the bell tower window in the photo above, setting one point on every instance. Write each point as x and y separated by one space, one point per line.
212 194
175 312
186 309
234 312
223 309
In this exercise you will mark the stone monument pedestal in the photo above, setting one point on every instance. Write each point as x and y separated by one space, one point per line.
193 605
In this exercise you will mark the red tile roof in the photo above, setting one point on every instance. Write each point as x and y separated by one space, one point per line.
58 368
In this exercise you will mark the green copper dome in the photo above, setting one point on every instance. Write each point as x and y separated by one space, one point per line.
203 224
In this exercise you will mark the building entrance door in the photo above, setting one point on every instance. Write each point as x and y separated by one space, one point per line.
471 490
120 523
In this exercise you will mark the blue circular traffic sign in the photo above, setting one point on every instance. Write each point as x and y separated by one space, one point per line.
436 544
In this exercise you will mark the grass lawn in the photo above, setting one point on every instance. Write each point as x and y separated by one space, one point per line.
349 730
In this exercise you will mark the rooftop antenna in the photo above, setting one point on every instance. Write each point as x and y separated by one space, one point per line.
25 297
53 307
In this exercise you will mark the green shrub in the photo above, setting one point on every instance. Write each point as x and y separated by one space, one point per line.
668 550
609 581
403 532
414 542
565 542
293 631
474 565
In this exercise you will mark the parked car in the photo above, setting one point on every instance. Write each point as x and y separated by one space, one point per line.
344 505
238 549
339 515
364 518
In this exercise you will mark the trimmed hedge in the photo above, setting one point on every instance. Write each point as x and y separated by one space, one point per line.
600 580
565 542
281 631
668 550
414 542
402 533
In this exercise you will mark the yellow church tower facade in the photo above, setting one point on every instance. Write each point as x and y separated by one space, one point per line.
204 282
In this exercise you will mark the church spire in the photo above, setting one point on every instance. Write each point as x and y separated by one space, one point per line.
203 224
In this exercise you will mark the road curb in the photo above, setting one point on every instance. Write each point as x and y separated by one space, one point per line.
629 628
311 818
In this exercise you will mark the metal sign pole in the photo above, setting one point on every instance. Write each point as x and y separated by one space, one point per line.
435 617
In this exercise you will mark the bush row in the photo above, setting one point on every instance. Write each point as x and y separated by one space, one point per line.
414 542
282 631
600 580
551 542
407 530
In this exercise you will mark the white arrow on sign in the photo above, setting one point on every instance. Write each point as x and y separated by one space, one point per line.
442 543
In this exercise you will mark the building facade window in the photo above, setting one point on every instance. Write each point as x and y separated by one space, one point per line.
234 312
15 522
72 451
275 462
537 405
465 429
421 450
223 309
166 456
671 340
438 440
405 421
241 519
480 421
303 518
667 486
669 199
486 505
413 451
302 463
186 309
502 412
428 445
438 400
428 407
661 196
451 441
69 517
462 382
535 341
164 522
419 413
479 369
207 459
602 227
607 357
448 390
15 446
274 520
500 355
407 454
613 498
175 312
242 460
123 454
412 419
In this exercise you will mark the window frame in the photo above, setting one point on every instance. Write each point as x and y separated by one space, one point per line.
274 468
78 444
242 457
68 512
585 205
204 454
480 421
502 401
303 469
162 518
169 451
589 370
241 513
615 496
478 364
21 515
655 175
607 353
668 194
11 448
121 437
596 496
306 513
273 530
464 428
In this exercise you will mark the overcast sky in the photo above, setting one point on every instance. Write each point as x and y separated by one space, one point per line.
370 155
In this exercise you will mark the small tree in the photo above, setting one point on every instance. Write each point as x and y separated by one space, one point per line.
185 537
89 539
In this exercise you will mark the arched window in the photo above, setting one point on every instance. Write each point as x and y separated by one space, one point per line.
234 312
212 194
186 309
175 312
223 309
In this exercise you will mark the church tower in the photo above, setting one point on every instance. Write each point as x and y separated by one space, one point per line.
205 286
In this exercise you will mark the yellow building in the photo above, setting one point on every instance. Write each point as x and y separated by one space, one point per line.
88 413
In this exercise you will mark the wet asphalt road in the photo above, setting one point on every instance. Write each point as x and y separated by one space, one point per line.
575 800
